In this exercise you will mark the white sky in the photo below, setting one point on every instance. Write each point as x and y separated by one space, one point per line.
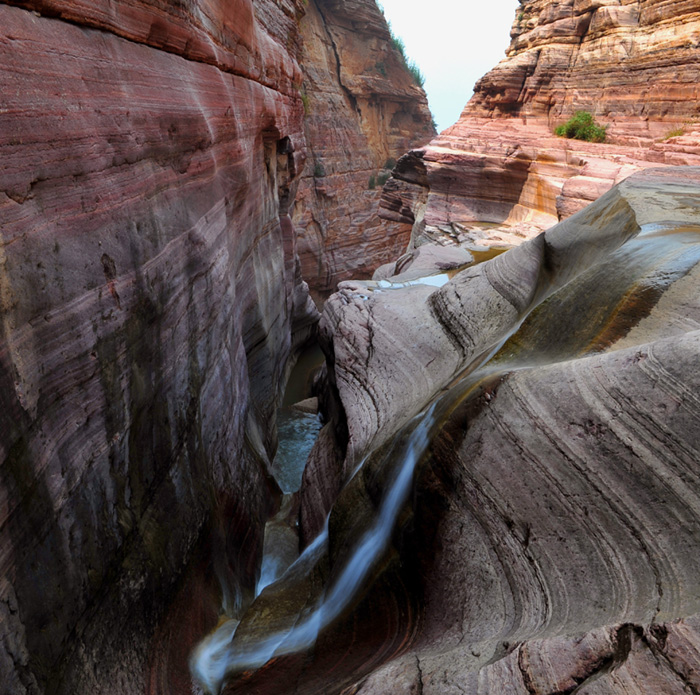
454 43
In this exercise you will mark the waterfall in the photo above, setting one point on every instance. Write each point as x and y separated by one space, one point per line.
217 656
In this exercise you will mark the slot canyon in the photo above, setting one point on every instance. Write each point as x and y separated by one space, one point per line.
300 397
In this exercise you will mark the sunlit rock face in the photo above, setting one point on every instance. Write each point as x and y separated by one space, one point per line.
551 540
364 111
632 65
616 58
150 298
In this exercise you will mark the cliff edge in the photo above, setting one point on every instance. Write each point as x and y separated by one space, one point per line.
364 110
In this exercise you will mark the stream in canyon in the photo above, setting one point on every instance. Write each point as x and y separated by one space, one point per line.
302 597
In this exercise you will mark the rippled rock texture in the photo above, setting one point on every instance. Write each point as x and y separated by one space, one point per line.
563 496
364 111
632 65
150 299
551 542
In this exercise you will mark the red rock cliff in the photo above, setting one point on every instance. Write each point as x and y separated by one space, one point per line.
619 59
633 65
364 111
150 299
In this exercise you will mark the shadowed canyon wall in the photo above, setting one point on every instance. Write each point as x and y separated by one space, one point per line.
364 111
155 159
151 298
633 65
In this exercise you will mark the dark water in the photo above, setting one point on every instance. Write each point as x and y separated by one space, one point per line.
297 433
301 378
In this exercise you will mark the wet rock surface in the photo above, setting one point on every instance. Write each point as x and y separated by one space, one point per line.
573 461
550 542
151 302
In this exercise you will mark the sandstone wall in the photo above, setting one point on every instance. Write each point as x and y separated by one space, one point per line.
633 65
618 59
363 112
150 298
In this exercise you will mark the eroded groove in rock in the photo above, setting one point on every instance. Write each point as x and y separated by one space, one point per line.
556 507
567 497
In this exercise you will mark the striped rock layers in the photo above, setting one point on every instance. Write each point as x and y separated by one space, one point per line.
544 402
150 298
364 110
633 65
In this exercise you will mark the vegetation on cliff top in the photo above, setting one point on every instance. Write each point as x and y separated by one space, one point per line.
399 45
582 126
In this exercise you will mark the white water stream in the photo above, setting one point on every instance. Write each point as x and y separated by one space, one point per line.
652 258
216 657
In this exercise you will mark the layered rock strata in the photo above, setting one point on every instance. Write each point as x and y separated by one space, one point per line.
151 299
632 65
364 111
620 59
551 541
562 497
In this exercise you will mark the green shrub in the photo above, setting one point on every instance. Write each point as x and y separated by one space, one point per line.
372 183
305 101
319 171
399 45
390 163
581 126
383 177
674 133
416 74
380 67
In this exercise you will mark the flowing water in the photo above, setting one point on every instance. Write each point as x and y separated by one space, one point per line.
592 312
297 432
218 656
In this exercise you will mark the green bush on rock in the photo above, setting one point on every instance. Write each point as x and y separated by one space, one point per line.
581 126
675 133
412 68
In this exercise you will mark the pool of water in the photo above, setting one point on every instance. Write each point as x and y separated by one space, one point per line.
297 432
